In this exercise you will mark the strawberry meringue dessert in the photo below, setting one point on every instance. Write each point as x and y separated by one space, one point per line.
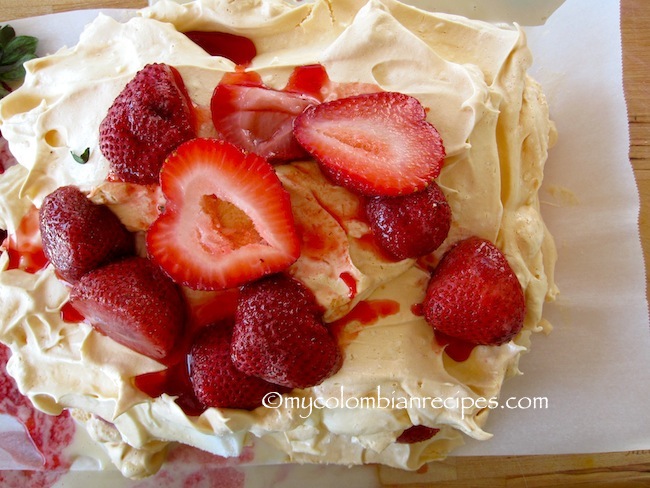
308 231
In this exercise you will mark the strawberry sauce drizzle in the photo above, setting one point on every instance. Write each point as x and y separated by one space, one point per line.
204 308
417 309
50 436
365 313
309 80
174 381
368 242
24 248
349 280
456 349
70 314
239 49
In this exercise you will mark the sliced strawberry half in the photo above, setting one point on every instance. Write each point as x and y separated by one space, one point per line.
227 221
135 304
373 144
256 118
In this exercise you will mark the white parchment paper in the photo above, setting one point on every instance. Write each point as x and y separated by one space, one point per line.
594 368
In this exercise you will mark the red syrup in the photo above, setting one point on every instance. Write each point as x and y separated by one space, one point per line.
456 349
349 280
70 314
365 313
239 49
369 243
309 80
50 436
204 308
174 381
417 309
313 80
25 248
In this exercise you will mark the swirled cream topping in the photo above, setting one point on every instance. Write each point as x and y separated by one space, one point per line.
469 75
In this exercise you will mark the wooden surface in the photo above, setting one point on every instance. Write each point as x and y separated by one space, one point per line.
609 469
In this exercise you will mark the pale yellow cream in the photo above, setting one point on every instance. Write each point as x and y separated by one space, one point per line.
471 77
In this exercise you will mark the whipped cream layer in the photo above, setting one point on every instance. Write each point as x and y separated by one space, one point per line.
470 76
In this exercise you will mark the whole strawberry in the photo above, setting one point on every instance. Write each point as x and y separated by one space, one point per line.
148 119
474 295
279 336
215 379
134 303
412 225
79 235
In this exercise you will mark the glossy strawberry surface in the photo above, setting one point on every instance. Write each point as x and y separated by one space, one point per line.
215 379
279 335
412 225
473 295
149 118
134 303
79 235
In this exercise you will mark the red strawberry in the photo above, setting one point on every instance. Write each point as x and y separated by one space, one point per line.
134 303
148 119
279 335
256 118
374 144
228 219
410 226
473 295
216 380
417 433
78 235
240 50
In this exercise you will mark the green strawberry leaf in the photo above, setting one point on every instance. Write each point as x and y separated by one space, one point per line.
17 48
7 33
15 51
83 157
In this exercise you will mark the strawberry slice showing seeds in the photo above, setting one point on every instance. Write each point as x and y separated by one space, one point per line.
227 220
373 144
